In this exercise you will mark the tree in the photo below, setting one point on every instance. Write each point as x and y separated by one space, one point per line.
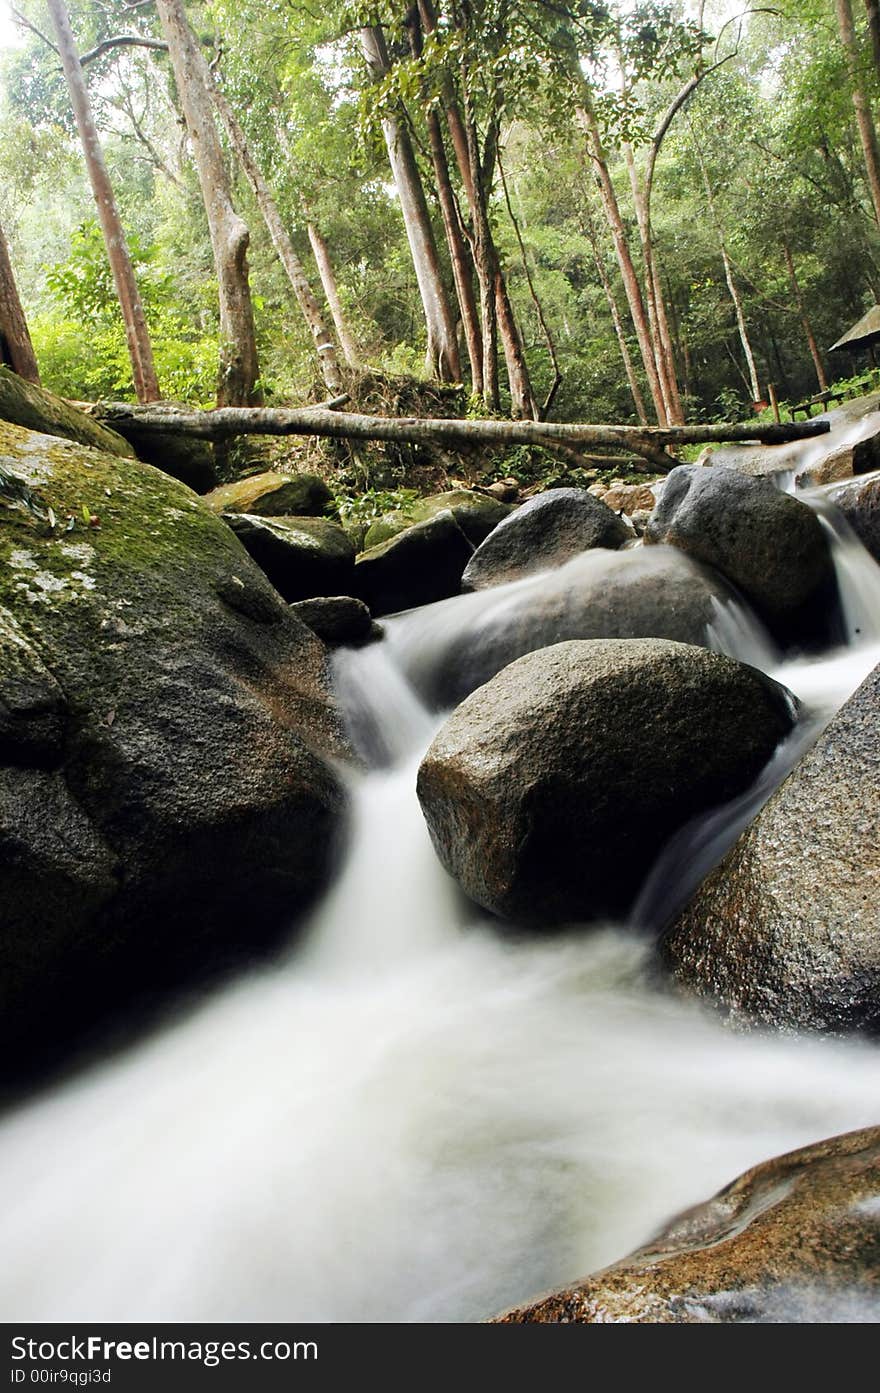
16 348
239 371
139 347
864 118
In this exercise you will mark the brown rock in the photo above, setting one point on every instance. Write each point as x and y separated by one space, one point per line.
794 1239
629 498
859 501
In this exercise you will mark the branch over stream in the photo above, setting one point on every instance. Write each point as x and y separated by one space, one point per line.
568 438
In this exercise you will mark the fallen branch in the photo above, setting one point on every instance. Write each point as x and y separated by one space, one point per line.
649 442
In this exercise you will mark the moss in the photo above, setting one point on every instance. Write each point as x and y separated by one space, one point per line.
27 405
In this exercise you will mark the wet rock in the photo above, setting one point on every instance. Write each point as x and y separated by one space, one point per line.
302 557
796 1239
271 494
859 502
785 931
165 803
337 620
584 758
475 514
422 564
646 592
544 532
24 404
766 543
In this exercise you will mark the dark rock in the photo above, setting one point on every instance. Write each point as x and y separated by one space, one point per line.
653 592
584 758
184 457
422 564
164 799
303 557
796 1239
271 494
24 404
786 930
544 532
766 543
859 501
337 619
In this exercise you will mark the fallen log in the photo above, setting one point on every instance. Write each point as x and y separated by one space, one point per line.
649 442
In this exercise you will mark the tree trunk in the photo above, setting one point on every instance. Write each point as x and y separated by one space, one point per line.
443 356
657 319
864 119
16 349
311 310
873 11
239 367
140 349
587 119
331 291
807 326
455 242
626 356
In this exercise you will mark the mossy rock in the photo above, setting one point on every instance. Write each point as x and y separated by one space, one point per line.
272 494
24 404
422 564
302 557
164 796
475 514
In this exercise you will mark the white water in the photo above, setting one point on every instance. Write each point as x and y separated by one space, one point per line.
410 1118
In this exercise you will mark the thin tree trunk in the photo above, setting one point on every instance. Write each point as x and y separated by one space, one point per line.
311 310
626 356
807 326
864 118
140 349
16 349
443 356
458 251
539 308
587 119
873 11
239 366
728 275
653 296
324 264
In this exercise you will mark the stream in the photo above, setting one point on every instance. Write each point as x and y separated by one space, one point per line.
413 1116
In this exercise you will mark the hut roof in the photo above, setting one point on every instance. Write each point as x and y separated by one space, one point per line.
862 334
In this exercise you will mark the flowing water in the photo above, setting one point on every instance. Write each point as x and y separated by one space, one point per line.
414 1116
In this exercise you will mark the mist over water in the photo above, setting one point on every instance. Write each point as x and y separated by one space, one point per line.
414 1116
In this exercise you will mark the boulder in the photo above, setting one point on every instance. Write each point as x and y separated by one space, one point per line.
24 404
859 501
167 799
475 514
337 620
796 1239
422 564
302 557
271 494
786 931
584 758
766 543
184 457
653 592
543 533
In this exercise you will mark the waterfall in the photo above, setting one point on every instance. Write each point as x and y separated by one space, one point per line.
415 1115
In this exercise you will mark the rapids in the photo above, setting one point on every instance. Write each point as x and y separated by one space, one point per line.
411 1115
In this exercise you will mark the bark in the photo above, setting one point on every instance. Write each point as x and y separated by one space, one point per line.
459 255
539 308
239 367
872 8
305 297
587 119
16 349
864 118
137 336
807 326
657 319
646 441
443 356
626 356
324 264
